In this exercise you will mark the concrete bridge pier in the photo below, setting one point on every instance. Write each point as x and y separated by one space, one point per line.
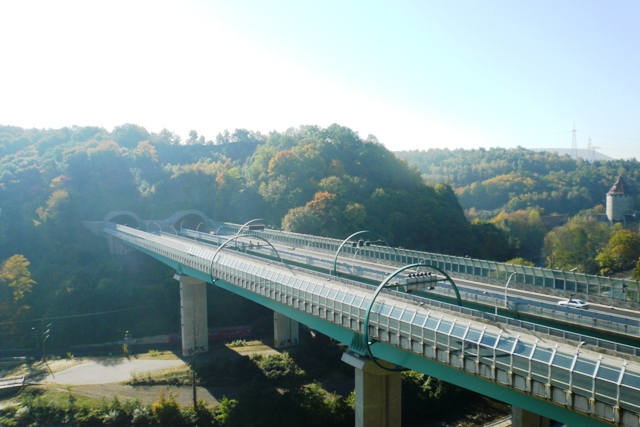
523 418
378 393
193 311
285 331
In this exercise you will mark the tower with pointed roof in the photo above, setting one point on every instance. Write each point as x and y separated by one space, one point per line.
619 201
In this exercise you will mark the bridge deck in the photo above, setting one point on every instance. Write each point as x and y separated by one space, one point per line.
597 289
604 388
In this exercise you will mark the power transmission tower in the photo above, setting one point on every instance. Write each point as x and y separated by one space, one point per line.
593 149
574 144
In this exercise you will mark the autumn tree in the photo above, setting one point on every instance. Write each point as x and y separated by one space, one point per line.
576 245
129 135
15 286
621 253
526 231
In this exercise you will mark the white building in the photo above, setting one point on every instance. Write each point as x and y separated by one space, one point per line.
619 201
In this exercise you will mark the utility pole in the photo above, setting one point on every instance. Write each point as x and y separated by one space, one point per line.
45 335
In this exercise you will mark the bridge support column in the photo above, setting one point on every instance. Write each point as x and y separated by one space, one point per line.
378 393
523 418
285 331
193 310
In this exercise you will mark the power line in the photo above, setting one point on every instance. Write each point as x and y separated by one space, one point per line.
77 315
529 138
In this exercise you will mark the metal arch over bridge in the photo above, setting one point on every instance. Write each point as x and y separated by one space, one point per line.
385 285
597 289
559 380
335 260
260 221
235 238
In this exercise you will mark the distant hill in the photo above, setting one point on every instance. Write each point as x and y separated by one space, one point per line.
512 179
589 155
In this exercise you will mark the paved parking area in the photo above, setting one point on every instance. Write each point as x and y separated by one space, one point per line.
108 371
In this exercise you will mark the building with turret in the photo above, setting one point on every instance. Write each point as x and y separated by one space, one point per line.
619 202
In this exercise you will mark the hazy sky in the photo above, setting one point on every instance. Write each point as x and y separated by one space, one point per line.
417 74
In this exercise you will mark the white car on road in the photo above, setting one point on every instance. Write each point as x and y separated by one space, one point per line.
573 303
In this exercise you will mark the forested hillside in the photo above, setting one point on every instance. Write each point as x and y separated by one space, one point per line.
511 179
326 181
514 189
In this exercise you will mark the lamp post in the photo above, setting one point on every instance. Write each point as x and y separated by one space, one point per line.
506 305
174 229
181 224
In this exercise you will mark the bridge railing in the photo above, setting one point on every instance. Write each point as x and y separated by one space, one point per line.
550 372
597 288
632 327
593 320
600 386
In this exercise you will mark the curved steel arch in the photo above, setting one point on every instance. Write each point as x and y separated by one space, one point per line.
255 220
213 280
379 289
449 279
335 260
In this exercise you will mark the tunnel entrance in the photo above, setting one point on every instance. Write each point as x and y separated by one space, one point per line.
126 218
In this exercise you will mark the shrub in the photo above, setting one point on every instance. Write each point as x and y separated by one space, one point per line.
278 367
237 343
167 411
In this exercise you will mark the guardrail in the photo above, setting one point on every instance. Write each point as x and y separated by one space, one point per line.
7 384
592 320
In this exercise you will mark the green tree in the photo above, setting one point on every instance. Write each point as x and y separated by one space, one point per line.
302 220
576 245
525 229
129 135
636 271
492 242
520 261
621 253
